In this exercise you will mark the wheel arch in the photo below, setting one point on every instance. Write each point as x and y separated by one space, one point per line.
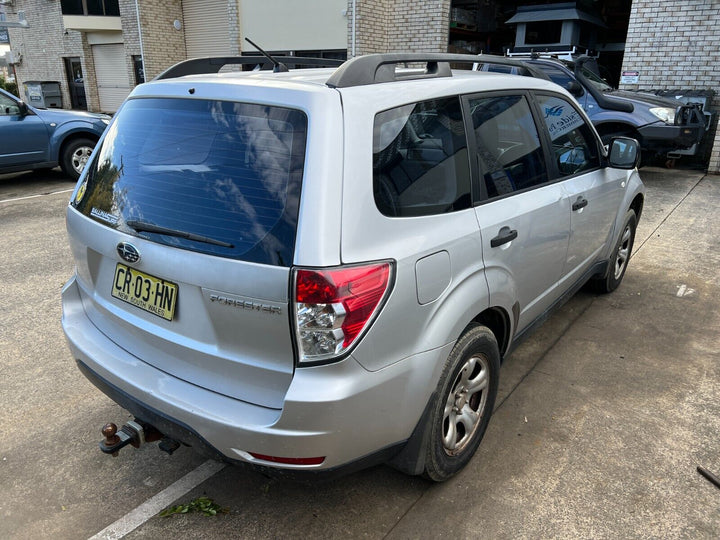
637 205
498 321
70 137
621 128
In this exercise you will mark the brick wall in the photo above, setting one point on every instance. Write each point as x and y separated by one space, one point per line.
43 44
234 23
131 36
371 22
163 46
399 25
419 26
675 44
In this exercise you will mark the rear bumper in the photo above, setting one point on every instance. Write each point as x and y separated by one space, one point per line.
341 411
174 429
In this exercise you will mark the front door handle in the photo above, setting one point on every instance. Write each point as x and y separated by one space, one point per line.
580 203
505 235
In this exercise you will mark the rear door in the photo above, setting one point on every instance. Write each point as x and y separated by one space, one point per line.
184 236
594 192
524 218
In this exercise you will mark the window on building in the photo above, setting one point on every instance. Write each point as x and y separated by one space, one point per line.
110 8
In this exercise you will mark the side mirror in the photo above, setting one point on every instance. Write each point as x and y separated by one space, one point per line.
624 153
575 88
23 108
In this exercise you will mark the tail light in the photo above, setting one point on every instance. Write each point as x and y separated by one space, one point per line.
334 307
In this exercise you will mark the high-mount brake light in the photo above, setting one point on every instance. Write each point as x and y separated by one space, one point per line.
333 307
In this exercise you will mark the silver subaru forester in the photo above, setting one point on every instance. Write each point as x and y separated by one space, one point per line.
316 270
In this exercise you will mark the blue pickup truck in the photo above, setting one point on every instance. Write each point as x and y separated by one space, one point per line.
32 138
660 125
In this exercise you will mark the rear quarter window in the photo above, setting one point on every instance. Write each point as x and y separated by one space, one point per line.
420 159
224 171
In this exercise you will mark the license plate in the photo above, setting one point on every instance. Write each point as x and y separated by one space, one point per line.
147 292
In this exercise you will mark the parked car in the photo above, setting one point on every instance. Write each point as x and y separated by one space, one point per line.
32 138
661 125
315 271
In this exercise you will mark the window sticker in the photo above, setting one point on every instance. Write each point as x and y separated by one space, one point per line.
106 217
560 118
81 192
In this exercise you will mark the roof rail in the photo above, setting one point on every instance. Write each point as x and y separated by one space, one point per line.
379 68
199 66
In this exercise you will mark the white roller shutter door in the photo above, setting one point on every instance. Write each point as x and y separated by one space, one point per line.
207 28
111 74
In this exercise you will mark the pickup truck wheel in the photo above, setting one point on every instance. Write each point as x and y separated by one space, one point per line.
465 400
75 155
619 258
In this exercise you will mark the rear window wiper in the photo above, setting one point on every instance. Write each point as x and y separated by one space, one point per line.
143 226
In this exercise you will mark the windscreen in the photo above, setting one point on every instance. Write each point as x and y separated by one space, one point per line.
216 177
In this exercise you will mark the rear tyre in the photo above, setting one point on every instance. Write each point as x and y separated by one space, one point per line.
465 400
619 258
74 156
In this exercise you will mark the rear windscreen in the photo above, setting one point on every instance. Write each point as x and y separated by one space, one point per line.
216 177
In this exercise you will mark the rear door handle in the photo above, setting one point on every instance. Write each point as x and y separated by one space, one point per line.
505 235
580 203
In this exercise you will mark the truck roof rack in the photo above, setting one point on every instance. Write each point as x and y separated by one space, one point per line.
199 66
380 68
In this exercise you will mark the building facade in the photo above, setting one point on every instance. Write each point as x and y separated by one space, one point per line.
677 46
99 50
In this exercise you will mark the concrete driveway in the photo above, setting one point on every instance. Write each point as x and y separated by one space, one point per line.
603 414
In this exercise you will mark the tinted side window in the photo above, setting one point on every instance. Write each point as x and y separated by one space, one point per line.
557 75
420 159
8 107
508 144
574 146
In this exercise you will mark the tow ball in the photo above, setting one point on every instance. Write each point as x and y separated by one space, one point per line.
133 433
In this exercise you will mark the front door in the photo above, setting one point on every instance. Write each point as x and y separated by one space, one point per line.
594 192
23 138
524 218
76 83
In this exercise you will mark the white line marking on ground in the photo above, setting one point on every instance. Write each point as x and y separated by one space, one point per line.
132 520
684 290
38 195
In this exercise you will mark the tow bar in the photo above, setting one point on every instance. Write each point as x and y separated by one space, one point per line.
134 433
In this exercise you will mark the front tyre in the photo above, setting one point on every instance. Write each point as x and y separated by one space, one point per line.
619 258
75 155
465 400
